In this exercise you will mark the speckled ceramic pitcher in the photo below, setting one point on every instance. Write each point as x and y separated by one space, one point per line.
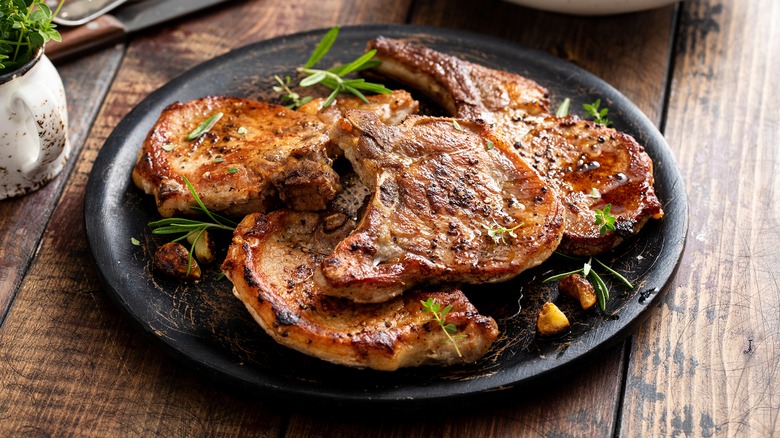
33 127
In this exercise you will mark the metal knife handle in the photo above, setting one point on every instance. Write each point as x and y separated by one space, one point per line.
93 35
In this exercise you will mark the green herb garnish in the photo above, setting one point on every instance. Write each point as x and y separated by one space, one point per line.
456 125
563 108
232 170
498 233
219 159
169 147
25 25
439 315
290 96
204 126
187 227
489 146
587 271
135 241
333 78
605 220
241 130
599 115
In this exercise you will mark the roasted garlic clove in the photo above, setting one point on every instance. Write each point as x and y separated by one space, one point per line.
173 259
579 288
204 247
551 321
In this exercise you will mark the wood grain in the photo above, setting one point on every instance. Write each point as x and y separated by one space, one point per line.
23 219
70 362
585 404
707 362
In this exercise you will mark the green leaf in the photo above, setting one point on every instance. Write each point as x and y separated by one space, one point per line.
204 126
615 274
323 47
135 241
563 108
559 276
605 220
314 79
354 65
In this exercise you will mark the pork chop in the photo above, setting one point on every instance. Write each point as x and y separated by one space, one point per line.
255 155
451 202
518 110
593 166
271 261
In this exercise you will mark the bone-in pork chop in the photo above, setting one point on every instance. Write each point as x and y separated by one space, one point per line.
589 165
271 261
255 155
451 202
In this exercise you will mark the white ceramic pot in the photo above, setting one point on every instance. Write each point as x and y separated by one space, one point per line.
33 127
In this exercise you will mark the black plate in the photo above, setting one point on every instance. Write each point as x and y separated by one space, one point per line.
212 331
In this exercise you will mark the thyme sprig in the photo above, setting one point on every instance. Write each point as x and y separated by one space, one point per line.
599 115
587 271
192 227
290 96
592 110
25 25
605 220
498 233
439 315
334 78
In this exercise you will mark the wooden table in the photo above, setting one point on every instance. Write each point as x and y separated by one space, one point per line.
706 362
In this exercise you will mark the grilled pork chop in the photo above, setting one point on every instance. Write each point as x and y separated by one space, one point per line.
254 156
451 202
589 165
593 166
271 261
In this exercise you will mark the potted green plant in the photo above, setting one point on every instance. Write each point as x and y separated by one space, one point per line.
33 112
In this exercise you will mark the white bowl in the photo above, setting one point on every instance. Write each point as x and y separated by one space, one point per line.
593 7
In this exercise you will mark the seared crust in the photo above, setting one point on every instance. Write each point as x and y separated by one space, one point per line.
518 110
465 90
255 156
593 166
234 173
438 186
271 261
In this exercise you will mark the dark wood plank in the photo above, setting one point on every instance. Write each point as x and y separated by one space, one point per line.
632 52
23 219
707 362
569 406
70 362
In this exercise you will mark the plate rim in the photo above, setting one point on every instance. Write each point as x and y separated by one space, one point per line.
96 187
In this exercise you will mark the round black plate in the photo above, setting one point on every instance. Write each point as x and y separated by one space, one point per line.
212 331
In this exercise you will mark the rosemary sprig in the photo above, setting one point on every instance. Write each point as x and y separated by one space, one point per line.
333 78
587 271
192 227
204 126
563 108
439 314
